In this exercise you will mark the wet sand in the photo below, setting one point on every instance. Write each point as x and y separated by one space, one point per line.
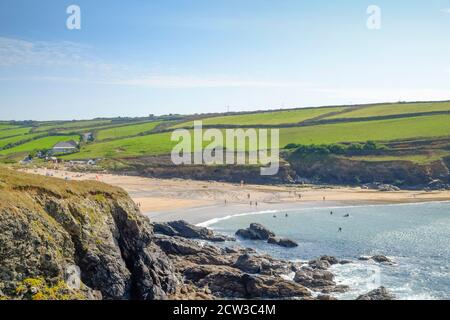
199 201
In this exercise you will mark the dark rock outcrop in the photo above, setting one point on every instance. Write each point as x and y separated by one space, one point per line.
282 242
256 231
323 263
237 285
377 258
318 280
378 294
183 229
249 263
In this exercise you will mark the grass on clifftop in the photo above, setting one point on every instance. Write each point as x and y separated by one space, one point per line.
12 181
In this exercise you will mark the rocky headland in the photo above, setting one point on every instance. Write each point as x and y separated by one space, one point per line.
49 226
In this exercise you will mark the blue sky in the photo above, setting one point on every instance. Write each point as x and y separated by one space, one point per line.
134 58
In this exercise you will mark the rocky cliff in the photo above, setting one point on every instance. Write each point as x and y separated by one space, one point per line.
50 226
335 170
51 230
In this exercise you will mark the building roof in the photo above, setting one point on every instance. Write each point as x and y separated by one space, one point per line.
66 145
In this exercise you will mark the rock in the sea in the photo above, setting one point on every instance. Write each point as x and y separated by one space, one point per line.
185 230
377 258
378 294
323 262
256 231
382 259
312 278
282 242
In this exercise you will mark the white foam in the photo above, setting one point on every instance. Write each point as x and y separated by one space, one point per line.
213 221
216 220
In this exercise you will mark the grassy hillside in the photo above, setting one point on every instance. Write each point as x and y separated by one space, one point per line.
13 132
136 137
72 124
393 109
6 141
130 147
126 131
38 144
382 130
268 118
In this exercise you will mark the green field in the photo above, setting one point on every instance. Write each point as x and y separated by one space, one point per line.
72 125
382 130
6 141
393 109
132 147
126 137
38 144
267 118
13 132
126 131
4 126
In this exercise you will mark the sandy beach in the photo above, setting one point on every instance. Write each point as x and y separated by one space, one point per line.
199 201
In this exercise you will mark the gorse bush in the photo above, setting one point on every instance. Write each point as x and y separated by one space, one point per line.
339 149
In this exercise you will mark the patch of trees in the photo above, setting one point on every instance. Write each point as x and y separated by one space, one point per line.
369 147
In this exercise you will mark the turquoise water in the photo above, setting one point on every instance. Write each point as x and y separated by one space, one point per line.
415 236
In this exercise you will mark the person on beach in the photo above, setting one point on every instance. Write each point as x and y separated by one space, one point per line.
286 215
340 229
256 203
324 198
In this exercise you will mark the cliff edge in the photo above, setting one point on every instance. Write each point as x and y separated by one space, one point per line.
49 227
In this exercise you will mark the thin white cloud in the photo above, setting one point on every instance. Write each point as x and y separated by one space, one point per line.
358 95
161 81
55 59
47 54
447 10
16 52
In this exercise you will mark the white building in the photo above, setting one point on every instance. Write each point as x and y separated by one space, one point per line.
65 147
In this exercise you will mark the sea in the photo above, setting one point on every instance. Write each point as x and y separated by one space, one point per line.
415 236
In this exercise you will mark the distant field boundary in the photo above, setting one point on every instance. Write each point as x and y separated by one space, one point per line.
312 122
